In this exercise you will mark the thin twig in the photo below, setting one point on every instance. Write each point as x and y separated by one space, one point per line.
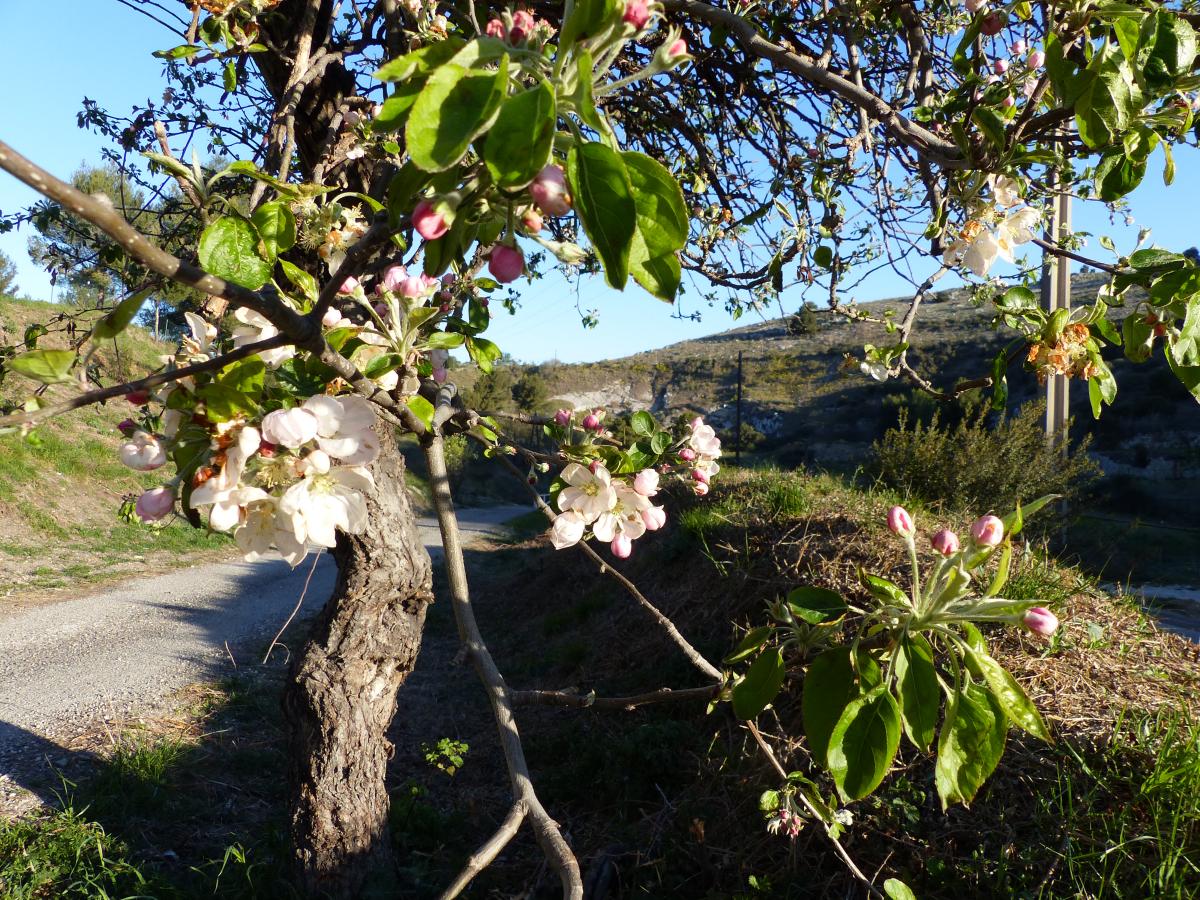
482 858
307 581
591 701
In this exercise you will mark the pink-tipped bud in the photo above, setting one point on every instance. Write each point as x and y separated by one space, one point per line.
562 417
1036 59
1018 47
987 531
993 23
393 278
506 263
495 28
266 449
595 465
1009 102
138 398
637 13
591 422
523 25
621 546
945 542
127 427
687 454
679 48
349 286
430 223
155 504
1000 66
700 476
700 488
900 522
1041 621
531 221
654 518
646 482
549 191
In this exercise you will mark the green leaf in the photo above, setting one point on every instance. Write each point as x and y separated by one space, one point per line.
1106 105
603 194
444 340
1185 347
455 107
662 215
1117 175
1156 258
229 249
763 680
815 605
991 125
754 639
642 423
420 63
519 144
422 409
917 686
229 77
588 17
1173 49
830 683
660 275
301 280
1000 381
47 366
483 351
245 376
1010 695
970 745
1001 577
895 889
1015 520
119 318
864 743
883 589
823 256
276 226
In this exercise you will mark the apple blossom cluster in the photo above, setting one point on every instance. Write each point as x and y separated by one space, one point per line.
990 234
288 484
1068 355
619 509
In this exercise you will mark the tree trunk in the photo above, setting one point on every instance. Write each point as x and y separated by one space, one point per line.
341 692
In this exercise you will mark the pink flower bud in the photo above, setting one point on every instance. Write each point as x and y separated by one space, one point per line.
523 25
621 546
899 521
1041 621
506 263
549 191
349 286
679 48
945 542
637 13
266 449
440 375
654 518
1036 59
1000 66
138 398
993 23
562 417
700 475
393 278
430 224
495 28
594 465
531 221
700 488
127 427
987 531
1018 47
155 504
143 452
591 422
687 454
646 482
1008 102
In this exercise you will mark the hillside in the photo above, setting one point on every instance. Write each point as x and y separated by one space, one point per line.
61 487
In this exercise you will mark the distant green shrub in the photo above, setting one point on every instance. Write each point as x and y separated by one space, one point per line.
979 465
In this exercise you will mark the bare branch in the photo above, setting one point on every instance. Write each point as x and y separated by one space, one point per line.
482 858
558 853
591 701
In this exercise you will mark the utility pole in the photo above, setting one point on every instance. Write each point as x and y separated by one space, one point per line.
737 447
1056 295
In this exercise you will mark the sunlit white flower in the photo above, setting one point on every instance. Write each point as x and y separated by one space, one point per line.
704 439
345 428
265 527
567 530
256 327
588 493
1004 190
200 341
625 517
224 491
321 503
291 428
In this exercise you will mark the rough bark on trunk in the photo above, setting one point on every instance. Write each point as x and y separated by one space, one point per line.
341 691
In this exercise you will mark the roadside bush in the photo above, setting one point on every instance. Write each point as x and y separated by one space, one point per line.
978 464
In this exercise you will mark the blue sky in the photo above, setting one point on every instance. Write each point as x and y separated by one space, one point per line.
103 51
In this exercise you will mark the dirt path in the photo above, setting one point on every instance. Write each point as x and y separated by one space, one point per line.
71 666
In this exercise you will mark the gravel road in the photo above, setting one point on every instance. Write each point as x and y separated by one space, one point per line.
68 665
